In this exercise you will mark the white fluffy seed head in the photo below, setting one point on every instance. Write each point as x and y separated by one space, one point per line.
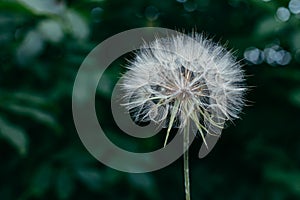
184 77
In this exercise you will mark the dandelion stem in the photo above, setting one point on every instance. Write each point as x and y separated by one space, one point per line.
186 160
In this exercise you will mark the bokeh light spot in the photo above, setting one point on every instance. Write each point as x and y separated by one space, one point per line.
294 6
96 14
277 56
190 6
151 13
283 14
254 55
283 57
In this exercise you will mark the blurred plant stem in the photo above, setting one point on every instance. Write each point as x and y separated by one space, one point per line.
186 160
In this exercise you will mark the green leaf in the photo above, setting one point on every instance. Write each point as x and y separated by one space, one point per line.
295 97
74 156
44 7
294 40
31 47
29 98
91 178
64 184
142 181
13 6
41 181
106 85
51 30
77 25
288 178
266 27
36 114
15 135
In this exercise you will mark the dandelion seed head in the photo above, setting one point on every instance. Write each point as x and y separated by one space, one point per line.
184 77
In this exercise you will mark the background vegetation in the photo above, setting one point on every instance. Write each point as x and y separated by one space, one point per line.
43 44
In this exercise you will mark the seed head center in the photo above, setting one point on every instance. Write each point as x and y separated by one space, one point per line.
185 92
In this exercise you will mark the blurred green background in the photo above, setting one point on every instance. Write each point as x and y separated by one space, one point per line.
43 43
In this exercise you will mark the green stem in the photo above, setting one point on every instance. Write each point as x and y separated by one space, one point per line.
186 160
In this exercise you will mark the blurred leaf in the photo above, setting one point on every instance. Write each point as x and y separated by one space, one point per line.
74 156
36 114
295 40
105 87
77 25
28 98
15 135
91 178
64 184
288 178
13 6
41 180
267 27
51 30
45 6
31 46
295 97
143 182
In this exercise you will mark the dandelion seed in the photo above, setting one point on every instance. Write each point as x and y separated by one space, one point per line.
183 80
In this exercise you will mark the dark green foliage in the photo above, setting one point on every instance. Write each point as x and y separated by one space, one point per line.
42 48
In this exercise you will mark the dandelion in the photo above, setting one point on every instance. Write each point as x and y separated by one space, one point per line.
185 81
